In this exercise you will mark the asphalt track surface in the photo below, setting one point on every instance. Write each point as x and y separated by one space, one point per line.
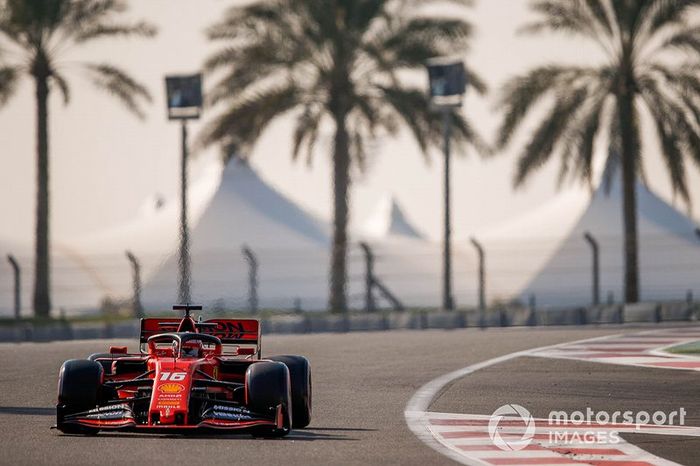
362 382
543 385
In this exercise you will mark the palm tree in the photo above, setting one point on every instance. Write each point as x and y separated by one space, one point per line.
643 75
39 32
335 63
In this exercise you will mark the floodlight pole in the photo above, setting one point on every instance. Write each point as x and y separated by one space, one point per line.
136 278
482 273
596 266
18 295
447 86
369 277
184 258
184 98
252 278
447 299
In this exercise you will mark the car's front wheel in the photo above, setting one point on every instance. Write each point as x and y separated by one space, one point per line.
79 384
267 387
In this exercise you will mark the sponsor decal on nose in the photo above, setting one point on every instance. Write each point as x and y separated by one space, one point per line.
171 388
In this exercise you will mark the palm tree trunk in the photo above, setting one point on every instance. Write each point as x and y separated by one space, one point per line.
341 182
630 148
42 297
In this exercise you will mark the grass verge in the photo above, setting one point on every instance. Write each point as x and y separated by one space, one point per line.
686 348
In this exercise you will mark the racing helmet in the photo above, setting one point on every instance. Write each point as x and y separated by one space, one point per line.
192 349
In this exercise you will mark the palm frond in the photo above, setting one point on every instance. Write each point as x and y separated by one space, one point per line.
306 131
439 31
82 15
317 43
678 134
414 3
412 43
683 79
659 14
613 161
278 18
358 150
258 58
101 30
396 43
599 9
685 40
522 93
361 13
465 134
671 151
426 126
8 83
626 14
82 12
549 133
121 85
412 107
369 114
576 17
588 130
243 123
475 81
258 15
63 86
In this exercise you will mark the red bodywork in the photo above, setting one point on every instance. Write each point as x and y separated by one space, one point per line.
163 388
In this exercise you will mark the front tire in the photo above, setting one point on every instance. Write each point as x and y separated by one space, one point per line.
79 382
266 387
300 377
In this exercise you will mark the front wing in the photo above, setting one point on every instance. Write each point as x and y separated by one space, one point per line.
218 417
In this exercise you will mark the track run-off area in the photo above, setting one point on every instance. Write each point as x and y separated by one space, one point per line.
365 389
513 436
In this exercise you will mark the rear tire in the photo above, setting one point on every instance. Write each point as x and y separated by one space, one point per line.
106 365
79 384
267 386
300 377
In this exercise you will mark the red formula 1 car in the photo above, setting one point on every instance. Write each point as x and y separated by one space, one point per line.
188 375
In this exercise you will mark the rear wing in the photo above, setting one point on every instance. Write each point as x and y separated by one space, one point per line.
236 332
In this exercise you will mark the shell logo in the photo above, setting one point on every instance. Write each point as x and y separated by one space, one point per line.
171 388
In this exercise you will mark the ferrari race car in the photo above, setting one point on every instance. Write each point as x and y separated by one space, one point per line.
188 375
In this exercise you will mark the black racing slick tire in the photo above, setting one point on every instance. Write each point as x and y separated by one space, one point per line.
300 377
79 384
267 386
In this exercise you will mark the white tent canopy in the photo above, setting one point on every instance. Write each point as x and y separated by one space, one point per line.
290 246
292 250
669 253
543 253
389 219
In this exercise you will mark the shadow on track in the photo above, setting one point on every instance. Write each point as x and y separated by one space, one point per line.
342 429
27 411
304 435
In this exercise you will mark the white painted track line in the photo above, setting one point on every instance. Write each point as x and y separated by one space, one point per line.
473 445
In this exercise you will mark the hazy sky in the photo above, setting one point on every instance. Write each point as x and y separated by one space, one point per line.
105 163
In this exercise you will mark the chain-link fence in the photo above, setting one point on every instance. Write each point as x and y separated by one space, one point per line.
404 274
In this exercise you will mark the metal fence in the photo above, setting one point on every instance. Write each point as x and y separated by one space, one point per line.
403 274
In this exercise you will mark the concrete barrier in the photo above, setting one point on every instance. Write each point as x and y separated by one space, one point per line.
380 321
